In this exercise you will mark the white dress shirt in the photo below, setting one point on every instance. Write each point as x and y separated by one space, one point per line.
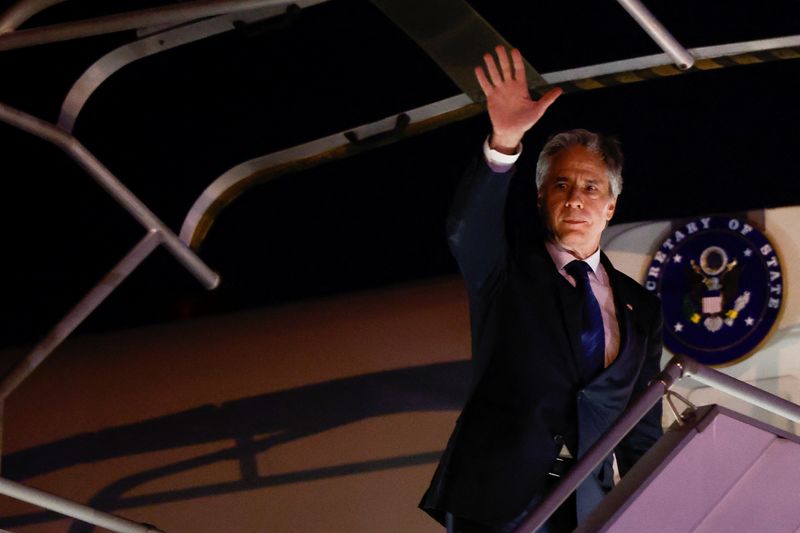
601 287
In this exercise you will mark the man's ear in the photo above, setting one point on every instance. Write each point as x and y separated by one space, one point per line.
612 206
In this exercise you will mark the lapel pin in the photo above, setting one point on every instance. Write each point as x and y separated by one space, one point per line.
629 306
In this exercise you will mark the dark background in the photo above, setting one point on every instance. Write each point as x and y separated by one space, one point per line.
167 126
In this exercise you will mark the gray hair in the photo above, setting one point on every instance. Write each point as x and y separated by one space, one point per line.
605 146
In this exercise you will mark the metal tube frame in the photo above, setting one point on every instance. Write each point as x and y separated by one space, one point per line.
156 43
78 314
114 187
75 510
20 12
160 16
188 11
158 233
681 56
679 367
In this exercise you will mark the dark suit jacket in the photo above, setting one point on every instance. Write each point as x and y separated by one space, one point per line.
528 397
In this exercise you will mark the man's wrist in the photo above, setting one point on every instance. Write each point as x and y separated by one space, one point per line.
505 143
498 161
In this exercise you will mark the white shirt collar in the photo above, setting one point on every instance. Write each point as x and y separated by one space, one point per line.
562 258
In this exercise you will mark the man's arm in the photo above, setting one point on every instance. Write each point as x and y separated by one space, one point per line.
476 223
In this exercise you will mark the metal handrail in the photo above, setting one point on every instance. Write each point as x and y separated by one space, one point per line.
66 507
157 233
600 450
73 148
679 367
739 389
77 315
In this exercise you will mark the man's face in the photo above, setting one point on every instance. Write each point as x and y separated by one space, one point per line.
576 201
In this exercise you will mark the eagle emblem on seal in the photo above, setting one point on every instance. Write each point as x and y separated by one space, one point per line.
714 299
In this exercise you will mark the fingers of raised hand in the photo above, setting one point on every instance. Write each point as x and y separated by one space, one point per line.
491 68
519 65
483 81
505 66
509 71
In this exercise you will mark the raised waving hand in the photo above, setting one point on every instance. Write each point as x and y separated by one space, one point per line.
512 111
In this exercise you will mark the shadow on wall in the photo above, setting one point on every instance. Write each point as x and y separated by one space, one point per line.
285 416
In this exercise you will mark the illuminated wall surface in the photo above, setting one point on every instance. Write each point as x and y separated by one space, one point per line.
321 416
775 367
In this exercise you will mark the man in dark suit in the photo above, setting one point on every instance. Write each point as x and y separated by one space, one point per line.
562 341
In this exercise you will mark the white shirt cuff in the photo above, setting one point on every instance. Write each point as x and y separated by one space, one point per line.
497 161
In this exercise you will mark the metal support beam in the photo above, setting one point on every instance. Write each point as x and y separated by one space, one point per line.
20 12
146 18
75 510
663 38
113 186
78 314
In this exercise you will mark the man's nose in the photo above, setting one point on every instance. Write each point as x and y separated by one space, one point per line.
574 198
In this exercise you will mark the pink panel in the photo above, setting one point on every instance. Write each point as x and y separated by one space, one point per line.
766 498
692 483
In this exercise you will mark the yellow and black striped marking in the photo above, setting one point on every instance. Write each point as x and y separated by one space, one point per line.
665 71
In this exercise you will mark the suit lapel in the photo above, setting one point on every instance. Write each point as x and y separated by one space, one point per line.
567 302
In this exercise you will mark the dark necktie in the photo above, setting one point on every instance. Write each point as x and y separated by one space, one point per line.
593 339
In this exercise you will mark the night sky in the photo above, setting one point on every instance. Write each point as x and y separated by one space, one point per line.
167 126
